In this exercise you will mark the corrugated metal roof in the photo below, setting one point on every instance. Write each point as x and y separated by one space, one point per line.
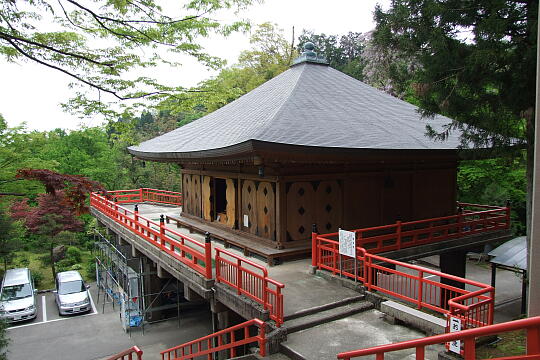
512 253
311 105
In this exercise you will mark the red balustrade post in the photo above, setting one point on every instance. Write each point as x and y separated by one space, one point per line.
265 294
533 340
398 234
162 231
136 217
314 249
239 276
218 265
262 340
368 271
208 255
420 288
141 194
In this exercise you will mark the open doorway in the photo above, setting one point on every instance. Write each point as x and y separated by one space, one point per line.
220 186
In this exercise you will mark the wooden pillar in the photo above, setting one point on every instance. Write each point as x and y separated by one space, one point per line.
281 214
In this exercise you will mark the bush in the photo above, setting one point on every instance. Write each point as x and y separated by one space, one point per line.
74 254
38 278
23 261
65 264
45 260
76 267
91 270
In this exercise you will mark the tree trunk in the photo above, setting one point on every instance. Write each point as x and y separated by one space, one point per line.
53 268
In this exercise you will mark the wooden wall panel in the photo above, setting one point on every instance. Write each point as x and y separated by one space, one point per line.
196 195
231 203
397 197
328 206
434 193
300 210
207 198
266 211
186 193
249 206
362 197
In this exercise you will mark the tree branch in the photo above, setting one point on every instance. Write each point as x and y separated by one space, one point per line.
7 37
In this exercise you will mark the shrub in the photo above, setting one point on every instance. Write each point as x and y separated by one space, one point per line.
74 254
91 270
38 278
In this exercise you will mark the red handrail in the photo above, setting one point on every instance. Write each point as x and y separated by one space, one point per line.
531 325
220 341
410 283
421 232
146 194
189 251
250 279
128 354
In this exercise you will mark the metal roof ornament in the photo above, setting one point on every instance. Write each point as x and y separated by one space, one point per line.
308 55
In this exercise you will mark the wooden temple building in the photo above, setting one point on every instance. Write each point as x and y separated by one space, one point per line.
311 146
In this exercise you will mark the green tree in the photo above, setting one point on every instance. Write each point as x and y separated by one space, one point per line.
475 61
7 241
270 54
98 43
343 53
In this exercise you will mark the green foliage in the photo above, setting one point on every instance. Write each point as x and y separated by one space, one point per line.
343 53
38 279
269 56
475 59
106 45
91 270
494 182
8 243
74 254
4 340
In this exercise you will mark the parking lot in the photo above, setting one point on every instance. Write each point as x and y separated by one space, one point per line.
47 311
97 334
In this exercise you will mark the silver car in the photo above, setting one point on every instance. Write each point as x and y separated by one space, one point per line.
71 293
17 296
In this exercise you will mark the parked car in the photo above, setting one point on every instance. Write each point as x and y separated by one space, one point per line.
18 296
71 294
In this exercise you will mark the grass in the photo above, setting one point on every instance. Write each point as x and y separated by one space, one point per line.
32 260
512 343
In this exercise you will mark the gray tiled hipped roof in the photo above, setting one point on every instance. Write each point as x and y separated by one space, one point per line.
310 105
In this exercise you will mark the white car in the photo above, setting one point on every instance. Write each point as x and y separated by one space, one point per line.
71 294
17 296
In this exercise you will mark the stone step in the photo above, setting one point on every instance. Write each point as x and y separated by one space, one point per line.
317 309
326 315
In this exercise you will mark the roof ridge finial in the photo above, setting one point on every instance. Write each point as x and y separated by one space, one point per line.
309 55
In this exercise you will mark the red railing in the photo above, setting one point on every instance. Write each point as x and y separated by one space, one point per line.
146 194
423 287
193 253
414 233
128 354
531 325
250 279
228 339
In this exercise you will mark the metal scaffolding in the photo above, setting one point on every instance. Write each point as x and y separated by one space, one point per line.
121 281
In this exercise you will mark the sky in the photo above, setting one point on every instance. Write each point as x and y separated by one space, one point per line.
32 93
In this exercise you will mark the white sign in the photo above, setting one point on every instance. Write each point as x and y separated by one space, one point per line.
246 221
455 325
347 243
